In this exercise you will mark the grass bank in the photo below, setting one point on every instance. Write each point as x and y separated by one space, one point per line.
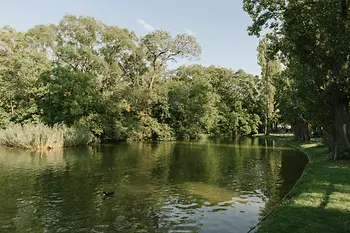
41 136
320 201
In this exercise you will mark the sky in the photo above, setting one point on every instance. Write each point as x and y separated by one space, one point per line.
220 26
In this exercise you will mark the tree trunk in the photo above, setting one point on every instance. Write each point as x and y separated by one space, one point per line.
341 145
267 128
156 70
301 130
152 80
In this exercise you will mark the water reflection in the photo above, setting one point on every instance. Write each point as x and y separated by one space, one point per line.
215 186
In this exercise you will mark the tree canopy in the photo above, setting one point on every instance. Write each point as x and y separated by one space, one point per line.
83 71
312 39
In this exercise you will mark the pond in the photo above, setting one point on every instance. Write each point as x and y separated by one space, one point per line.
210 186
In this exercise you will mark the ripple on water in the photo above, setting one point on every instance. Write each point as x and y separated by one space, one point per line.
188 206
226 203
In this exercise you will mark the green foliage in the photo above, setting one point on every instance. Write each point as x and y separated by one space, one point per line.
40 136
67 96
20 68
214 101
312 39
83 72
149 128
270 68
5 118
161 48
192 108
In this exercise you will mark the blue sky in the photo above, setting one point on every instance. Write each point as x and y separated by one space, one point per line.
220 26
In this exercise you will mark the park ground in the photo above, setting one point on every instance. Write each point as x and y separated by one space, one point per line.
320 201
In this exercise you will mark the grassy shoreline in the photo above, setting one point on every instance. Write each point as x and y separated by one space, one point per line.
321 199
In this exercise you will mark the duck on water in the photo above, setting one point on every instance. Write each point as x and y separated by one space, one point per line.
108 194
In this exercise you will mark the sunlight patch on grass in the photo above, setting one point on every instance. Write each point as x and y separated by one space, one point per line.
306 146
310 199
340 201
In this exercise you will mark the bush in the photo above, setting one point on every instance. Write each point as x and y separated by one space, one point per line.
41 136
149 129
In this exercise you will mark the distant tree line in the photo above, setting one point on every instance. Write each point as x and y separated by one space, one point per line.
85 72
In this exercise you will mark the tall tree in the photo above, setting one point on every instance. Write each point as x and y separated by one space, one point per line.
313 35
236 110
20 68
161 48
270 68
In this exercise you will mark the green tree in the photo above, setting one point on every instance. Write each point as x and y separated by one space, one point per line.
314 36
20 67
192 108
237 93
67 96
161 48
83 71
270 68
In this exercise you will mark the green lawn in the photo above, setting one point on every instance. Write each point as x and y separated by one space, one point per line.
321 200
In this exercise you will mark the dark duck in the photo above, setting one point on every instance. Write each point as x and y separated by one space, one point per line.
108 194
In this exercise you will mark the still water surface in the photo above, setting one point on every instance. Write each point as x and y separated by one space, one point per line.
166 187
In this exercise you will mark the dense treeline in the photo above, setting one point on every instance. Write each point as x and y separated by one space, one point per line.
84 72
312 39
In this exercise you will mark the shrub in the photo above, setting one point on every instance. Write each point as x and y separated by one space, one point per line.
77 136
149 129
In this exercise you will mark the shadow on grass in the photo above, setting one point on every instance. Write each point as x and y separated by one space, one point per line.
321 200
301 219
327 195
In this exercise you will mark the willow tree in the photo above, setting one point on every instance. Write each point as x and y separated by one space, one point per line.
315 36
